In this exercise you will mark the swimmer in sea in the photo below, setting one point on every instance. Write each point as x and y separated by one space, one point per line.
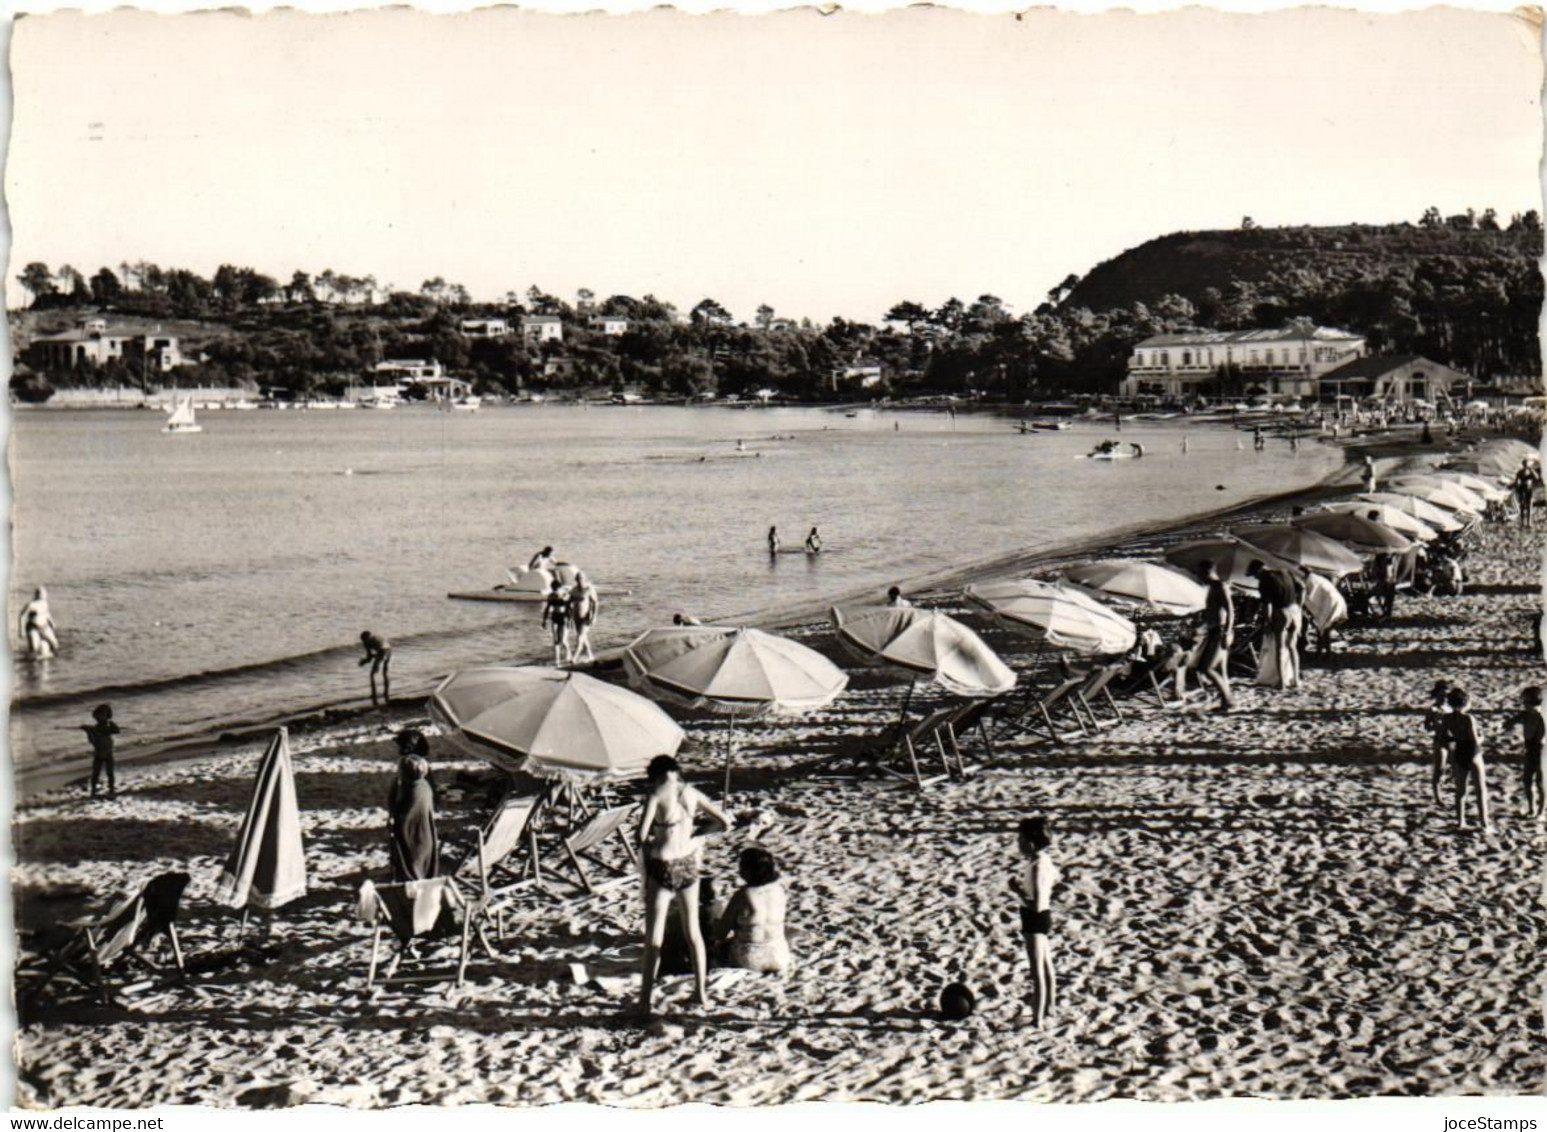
1138 449
773 540
542 560
741 445
378 654
684 619
37 626
813 542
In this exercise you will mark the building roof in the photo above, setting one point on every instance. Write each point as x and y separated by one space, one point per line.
1230 337
534 319
1378 365
607 317
79 335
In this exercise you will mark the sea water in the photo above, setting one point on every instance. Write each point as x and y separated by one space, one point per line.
206 581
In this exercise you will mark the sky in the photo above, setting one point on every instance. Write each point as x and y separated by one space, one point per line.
824 165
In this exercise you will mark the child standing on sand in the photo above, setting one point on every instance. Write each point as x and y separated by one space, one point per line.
1034 886
1533 728
1434 723
1466 758
101 735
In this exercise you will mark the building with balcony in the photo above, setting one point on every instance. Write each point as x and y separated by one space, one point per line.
484 327
91 342
1290 360
406 371
542 328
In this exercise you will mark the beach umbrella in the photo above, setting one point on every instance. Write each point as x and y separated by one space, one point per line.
550 722
267 867
1495 465
1427 513
1306 549
1063 616
1230 556
1451 496
733 672
1400 521
1488 489
1144 583
1356 531
924 644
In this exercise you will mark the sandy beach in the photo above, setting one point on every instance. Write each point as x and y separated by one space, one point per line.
1264 903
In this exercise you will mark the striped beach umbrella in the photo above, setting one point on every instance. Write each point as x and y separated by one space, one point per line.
1402 522
1451 496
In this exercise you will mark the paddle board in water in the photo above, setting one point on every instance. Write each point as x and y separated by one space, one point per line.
524 596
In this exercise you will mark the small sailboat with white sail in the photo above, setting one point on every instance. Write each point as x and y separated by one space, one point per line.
182 418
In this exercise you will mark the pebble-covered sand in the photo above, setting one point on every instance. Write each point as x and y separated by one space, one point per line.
1264 903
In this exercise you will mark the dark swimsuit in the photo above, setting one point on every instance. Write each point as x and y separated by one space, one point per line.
1036 923
674 875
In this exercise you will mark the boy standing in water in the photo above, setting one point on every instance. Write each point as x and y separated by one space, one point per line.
1533 729
101 735
378 654
1034 886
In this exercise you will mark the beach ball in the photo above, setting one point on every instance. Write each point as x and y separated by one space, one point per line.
957 1002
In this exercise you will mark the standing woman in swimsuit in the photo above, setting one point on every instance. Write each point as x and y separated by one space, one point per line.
1466 758
670 850
1034 886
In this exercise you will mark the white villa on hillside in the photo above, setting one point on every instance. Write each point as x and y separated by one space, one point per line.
542 328
612 325
92 343
405 370
484 327
1289 360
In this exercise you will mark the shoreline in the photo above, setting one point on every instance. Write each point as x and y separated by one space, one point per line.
326 723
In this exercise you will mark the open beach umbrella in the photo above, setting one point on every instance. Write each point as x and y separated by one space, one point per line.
1231 557
1400 521
924 644
1144 583
1355 531
1452 497
1489 489
1064 616
735 672
1306 549
1495 465
1427 513
550 722
267 867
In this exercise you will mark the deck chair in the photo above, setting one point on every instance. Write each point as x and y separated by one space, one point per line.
131 924
1036 710
583 843
973 715
416 910
510 829
1098 688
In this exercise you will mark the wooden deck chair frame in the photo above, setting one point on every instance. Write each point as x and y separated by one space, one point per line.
150 912
913 742
970 716
603 824
1042 707
512 827
1098 688
472 921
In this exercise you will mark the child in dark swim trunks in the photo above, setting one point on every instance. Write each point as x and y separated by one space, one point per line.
1533 728
101 735
1466 758
1034 886
1434 723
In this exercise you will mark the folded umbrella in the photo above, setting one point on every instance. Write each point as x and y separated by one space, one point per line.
267 867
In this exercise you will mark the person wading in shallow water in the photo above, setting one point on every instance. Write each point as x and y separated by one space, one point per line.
378 654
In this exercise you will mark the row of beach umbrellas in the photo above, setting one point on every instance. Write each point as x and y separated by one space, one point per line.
550 721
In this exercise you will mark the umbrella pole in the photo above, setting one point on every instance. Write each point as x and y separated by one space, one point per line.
730 746
907 701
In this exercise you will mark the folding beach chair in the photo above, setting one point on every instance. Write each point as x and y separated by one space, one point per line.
418 910
1036 709
584 842
511 829
973 715
120 933
1097 688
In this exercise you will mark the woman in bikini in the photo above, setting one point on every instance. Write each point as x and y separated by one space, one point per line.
753 921
670 850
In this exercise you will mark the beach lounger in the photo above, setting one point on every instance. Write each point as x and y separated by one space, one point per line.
581 845
1040 709
126 929
974 715
418 910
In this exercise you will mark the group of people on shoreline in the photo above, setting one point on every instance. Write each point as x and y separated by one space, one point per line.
1457 750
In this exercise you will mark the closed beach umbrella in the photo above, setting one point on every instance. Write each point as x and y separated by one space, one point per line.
1145 583
1306 549
731 671
1427 513
926 645
1451 496
1230 556
267 867
1400 521
1061 615
1356 531
552 722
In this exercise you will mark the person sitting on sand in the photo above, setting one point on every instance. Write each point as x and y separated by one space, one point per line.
1434 722
378 654
894 597
1466 758
556 617
753 920
1034 886
670 849
36 624
582 615
542 560
100 734
813 542
773 540
413 843
1218 629
1533 729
